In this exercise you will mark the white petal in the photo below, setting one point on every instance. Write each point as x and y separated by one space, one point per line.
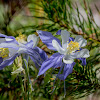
65 38
8 39
68 61
12 52
84 53
58 47
22 50
34 38
2 40
21 44
82 42
9 45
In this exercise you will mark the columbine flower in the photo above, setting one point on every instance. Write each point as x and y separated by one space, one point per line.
28 49
10 49
71 48
37 54
7 52
68 51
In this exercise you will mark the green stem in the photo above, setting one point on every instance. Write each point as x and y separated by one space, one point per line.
27 75
21 82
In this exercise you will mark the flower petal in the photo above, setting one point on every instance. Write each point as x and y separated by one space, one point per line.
9 45
83 61
58 32
71 39
42 54
68 68
57 58
66 60
12 52
34 38
58 47
7 39
65 38
8 62
2 40
47 38
30 43
84 53
35 56
2 35
45 66
82 42
22 50
54 61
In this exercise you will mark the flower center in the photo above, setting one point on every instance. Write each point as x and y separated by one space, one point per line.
72 46
21 38
4 52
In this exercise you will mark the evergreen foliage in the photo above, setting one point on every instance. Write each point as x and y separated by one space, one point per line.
84 80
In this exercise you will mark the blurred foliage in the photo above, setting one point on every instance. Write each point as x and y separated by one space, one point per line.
10 13
51 15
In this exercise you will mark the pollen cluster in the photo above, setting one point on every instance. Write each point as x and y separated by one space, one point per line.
21 38
4 52
73 46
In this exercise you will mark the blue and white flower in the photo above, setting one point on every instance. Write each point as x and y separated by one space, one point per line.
7 52
71 48
68 51
10 49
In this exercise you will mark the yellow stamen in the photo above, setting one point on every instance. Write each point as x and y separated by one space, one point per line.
72 46
21 38
4 52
